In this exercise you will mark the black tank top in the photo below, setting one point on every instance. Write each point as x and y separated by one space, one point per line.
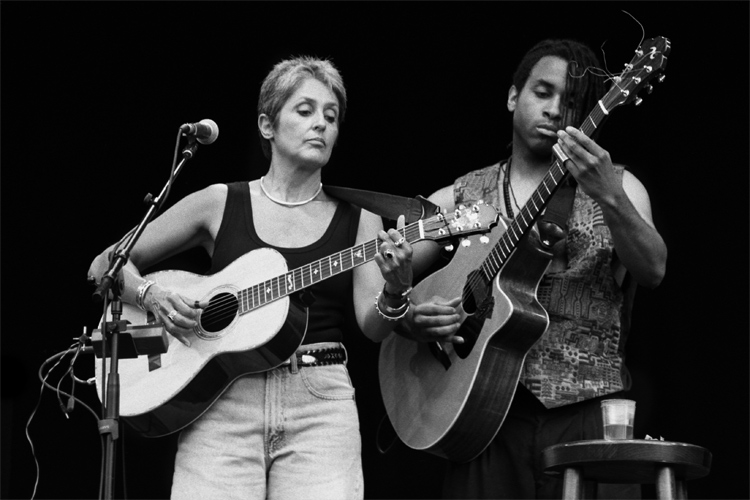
333 297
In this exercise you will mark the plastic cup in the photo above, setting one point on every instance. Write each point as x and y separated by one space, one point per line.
618 416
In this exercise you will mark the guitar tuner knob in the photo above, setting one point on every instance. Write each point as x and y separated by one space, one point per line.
466 242
661 78
638 101
449 248
649 89
484 239
475 209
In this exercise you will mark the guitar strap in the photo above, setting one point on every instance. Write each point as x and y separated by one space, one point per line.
386 205
558 209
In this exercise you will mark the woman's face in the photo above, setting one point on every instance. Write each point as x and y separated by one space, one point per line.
307 126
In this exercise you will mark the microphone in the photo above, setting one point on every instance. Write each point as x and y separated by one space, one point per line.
205 131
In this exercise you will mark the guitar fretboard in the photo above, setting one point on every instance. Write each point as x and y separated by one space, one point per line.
533 208
297 279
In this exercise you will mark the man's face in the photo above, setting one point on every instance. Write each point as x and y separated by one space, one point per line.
538 108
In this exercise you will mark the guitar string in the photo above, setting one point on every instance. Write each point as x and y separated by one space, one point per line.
474 281
225 307
228 306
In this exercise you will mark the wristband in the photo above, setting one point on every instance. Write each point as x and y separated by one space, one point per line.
390 313
141 294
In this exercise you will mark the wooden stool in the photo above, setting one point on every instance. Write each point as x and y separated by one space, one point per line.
623 461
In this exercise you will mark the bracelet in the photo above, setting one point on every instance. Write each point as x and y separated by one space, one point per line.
390 311
141 293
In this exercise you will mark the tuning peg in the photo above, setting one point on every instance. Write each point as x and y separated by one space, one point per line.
449 248
661 78
638 101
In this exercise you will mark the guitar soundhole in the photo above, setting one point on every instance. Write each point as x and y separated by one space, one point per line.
478 304
220 312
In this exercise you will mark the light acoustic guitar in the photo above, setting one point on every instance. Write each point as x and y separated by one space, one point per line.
254 321
451 400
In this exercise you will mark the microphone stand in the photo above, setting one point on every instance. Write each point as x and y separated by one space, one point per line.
111 281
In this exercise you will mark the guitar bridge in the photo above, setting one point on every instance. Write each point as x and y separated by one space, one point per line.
154 362
437 350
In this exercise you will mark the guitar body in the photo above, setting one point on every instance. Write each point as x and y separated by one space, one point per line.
162 394
453 403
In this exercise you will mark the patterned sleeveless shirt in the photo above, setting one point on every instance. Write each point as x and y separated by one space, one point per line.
581 355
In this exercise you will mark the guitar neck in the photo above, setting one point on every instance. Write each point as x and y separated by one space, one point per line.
298 279
539 199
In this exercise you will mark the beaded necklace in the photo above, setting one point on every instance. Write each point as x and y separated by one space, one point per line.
508 190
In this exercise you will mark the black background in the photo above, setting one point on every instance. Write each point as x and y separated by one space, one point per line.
93 94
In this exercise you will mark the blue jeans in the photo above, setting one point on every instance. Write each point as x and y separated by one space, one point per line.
289 433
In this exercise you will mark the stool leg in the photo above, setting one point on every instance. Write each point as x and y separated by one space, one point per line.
665 484
572 487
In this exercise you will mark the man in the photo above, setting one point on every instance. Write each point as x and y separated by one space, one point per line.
611 245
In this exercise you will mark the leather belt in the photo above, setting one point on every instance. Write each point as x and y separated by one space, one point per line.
320 357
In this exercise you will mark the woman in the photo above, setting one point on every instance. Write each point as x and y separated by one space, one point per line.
293 431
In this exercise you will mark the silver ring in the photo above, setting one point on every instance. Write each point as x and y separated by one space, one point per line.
388 254
400 242
172 315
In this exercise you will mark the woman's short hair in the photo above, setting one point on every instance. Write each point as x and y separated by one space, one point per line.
286 77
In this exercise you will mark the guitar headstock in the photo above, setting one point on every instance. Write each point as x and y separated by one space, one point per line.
478 217
649 63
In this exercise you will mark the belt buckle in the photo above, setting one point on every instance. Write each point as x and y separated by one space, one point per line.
308 359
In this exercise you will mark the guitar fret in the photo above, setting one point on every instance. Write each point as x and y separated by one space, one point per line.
505 248
523 219
370 248
330 267
534 203
347 260
495 262
306 275
358 255
315 272
513 231
256 296
488 273
298 282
